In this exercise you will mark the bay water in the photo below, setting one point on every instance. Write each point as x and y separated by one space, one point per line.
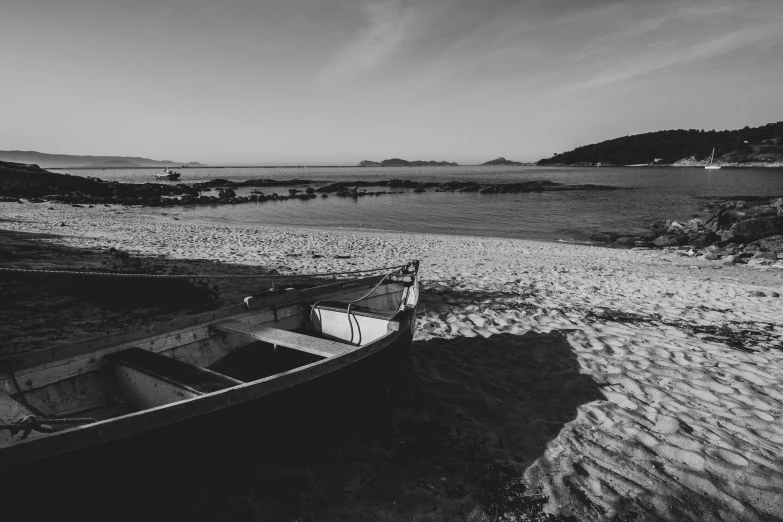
648 194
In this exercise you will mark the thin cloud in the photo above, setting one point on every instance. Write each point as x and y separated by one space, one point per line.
389 26
606 42
671 56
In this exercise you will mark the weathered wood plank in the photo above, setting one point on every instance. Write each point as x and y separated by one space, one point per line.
149 379
81 393
37 376
147 391
293 340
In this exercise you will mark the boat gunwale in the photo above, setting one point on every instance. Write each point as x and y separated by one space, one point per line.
154 330
37 376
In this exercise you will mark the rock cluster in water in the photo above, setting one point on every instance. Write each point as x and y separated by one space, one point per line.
30 181
746 231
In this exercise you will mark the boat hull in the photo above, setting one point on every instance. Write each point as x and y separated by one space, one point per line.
298 403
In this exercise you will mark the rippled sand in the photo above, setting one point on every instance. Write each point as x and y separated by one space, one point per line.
622 381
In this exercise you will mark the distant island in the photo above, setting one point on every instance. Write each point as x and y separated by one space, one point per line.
397 162
92 162
758 146
503 161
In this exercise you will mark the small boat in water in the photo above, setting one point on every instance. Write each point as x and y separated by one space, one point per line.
711 165
168 174
277 352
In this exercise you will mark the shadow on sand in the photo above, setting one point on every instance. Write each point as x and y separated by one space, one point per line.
38 311
451 440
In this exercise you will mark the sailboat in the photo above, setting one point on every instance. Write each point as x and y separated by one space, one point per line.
711 165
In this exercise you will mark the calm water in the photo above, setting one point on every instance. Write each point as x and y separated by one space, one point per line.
651 194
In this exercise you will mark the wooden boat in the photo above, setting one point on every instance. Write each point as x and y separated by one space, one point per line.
264 354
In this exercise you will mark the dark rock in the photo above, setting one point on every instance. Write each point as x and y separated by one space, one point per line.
227 193
121 254
660 224
765 255
756 228
770 244
703 239
629 240
763 210
670 240
729 217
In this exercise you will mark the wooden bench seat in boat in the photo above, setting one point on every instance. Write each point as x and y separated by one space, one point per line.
285 338
149 379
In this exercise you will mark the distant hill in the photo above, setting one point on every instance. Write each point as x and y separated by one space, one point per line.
67 160
503 161
756 146
397 162
114 163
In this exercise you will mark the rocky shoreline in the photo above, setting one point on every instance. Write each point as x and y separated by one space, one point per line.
746 231
37 185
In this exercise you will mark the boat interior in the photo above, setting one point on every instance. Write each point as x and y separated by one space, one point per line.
264 338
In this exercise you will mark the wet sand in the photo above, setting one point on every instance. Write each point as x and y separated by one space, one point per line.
603 382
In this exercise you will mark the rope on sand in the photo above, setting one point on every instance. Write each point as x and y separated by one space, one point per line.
193 276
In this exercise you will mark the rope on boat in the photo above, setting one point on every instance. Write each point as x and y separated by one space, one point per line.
348 310
36 423
194 276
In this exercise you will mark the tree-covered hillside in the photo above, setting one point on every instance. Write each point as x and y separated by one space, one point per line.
759 144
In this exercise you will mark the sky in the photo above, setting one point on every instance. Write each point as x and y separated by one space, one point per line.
340 81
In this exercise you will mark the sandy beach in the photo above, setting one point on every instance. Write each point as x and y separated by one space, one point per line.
612 383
